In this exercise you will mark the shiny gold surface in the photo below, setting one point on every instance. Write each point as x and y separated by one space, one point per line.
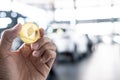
29 33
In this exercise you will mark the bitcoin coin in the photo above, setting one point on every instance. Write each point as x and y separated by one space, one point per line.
29 33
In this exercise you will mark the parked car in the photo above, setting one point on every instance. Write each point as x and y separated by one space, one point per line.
64 43
70 45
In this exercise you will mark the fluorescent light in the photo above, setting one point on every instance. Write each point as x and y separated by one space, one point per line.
4 22
20 20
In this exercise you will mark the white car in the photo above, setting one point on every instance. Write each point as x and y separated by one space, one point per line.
64 42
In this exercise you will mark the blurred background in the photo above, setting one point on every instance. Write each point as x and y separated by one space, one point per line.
86 33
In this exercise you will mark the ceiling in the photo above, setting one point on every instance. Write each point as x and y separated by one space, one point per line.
36 1
45 4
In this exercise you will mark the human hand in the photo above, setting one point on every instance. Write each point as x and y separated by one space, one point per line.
30 62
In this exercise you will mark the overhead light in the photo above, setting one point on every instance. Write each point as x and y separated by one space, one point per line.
21 20
14 14
4 22
3 14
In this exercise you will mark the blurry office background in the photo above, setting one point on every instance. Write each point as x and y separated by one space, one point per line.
86 33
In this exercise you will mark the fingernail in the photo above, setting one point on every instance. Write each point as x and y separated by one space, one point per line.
35 54
41 32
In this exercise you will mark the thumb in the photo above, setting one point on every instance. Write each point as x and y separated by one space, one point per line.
41 32
9 35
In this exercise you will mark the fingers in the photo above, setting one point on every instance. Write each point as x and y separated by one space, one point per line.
44 63
42 68
41 32
43 56
9 35
47 46
40 43
49 58
45 49
25 50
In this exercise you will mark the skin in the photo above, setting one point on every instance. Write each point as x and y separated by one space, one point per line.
30 61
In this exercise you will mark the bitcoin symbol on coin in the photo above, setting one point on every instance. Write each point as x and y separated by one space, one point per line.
29 33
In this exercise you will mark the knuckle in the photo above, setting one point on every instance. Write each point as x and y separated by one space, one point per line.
50 46
54 45
5 32
45 48
47 39
52 53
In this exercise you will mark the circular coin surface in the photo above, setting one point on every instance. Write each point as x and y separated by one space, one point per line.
29 33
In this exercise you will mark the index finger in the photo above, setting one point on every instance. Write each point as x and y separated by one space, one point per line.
41 32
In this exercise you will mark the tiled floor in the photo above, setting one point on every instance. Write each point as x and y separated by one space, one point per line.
104 64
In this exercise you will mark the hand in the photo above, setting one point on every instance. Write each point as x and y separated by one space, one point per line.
30 62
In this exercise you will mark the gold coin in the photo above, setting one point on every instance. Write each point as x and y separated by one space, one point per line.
29 33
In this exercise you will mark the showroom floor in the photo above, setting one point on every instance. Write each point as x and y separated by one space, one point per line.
104 64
